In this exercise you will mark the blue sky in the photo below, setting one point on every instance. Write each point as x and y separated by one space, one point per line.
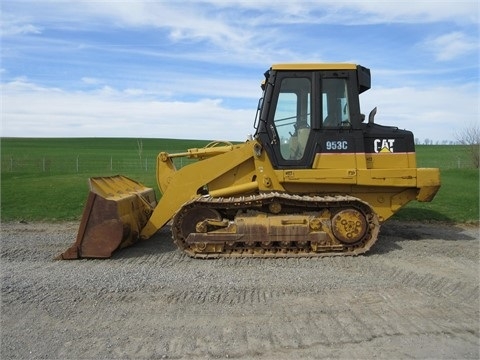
192 69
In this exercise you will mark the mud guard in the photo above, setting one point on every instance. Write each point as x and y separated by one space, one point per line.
116 210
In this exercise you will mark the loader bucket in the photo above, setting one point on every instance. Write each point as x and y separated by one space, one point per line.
117 209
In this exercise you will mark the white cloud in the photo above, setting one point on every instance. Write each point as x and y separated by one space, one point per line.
421 11
434 113
91 81
430 112
450 46
245 28
112 113
11 25
247 33
351 12
321 11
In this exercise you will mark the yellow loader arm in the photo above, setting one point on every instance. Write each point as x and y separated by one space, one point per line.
180 186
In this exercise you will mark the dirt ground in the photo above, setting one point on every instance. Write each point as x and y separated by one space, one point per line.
415 295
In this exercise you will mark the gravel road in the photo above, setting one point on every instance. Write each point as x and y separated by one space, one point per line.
415 295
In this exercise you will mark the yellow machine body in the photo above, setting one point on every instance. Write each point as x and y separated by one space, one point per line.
323 191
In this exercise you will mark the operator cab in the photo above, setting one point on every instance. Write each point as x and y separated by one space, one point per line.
312 109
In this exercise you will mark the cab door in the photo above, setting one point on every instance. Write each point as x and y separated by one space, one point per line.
290 121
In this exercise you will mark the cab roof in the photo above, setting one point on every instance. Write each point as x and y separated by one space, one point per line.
315 66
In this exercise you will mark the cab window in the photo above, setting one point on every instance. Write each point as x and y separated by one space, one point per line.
335 110
293 117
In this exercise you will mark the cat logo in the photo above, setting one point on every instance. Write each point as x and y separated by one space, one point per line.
383 145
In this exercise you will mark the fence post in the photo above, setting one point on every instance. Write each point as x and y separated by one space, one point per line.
77 162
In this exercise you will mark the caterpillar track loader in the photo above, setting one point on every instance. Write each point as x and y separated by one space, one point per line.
316 179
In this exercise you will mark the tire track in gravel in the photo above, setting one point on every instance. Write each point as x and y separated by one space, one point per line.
430 284
393 314
300 330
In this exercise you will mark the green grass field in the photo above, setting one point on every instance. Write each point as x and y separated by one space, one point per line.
46 179
458 198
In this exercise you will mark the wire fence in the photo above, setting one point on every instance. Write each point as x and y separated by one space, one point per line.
105 164
114 157
82 164
459 163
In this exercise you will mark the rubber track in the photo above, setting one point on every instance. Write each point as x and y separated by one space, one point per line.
301 202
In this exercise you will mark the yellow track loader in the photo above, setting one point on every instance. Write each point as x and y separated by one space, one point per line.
316 179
